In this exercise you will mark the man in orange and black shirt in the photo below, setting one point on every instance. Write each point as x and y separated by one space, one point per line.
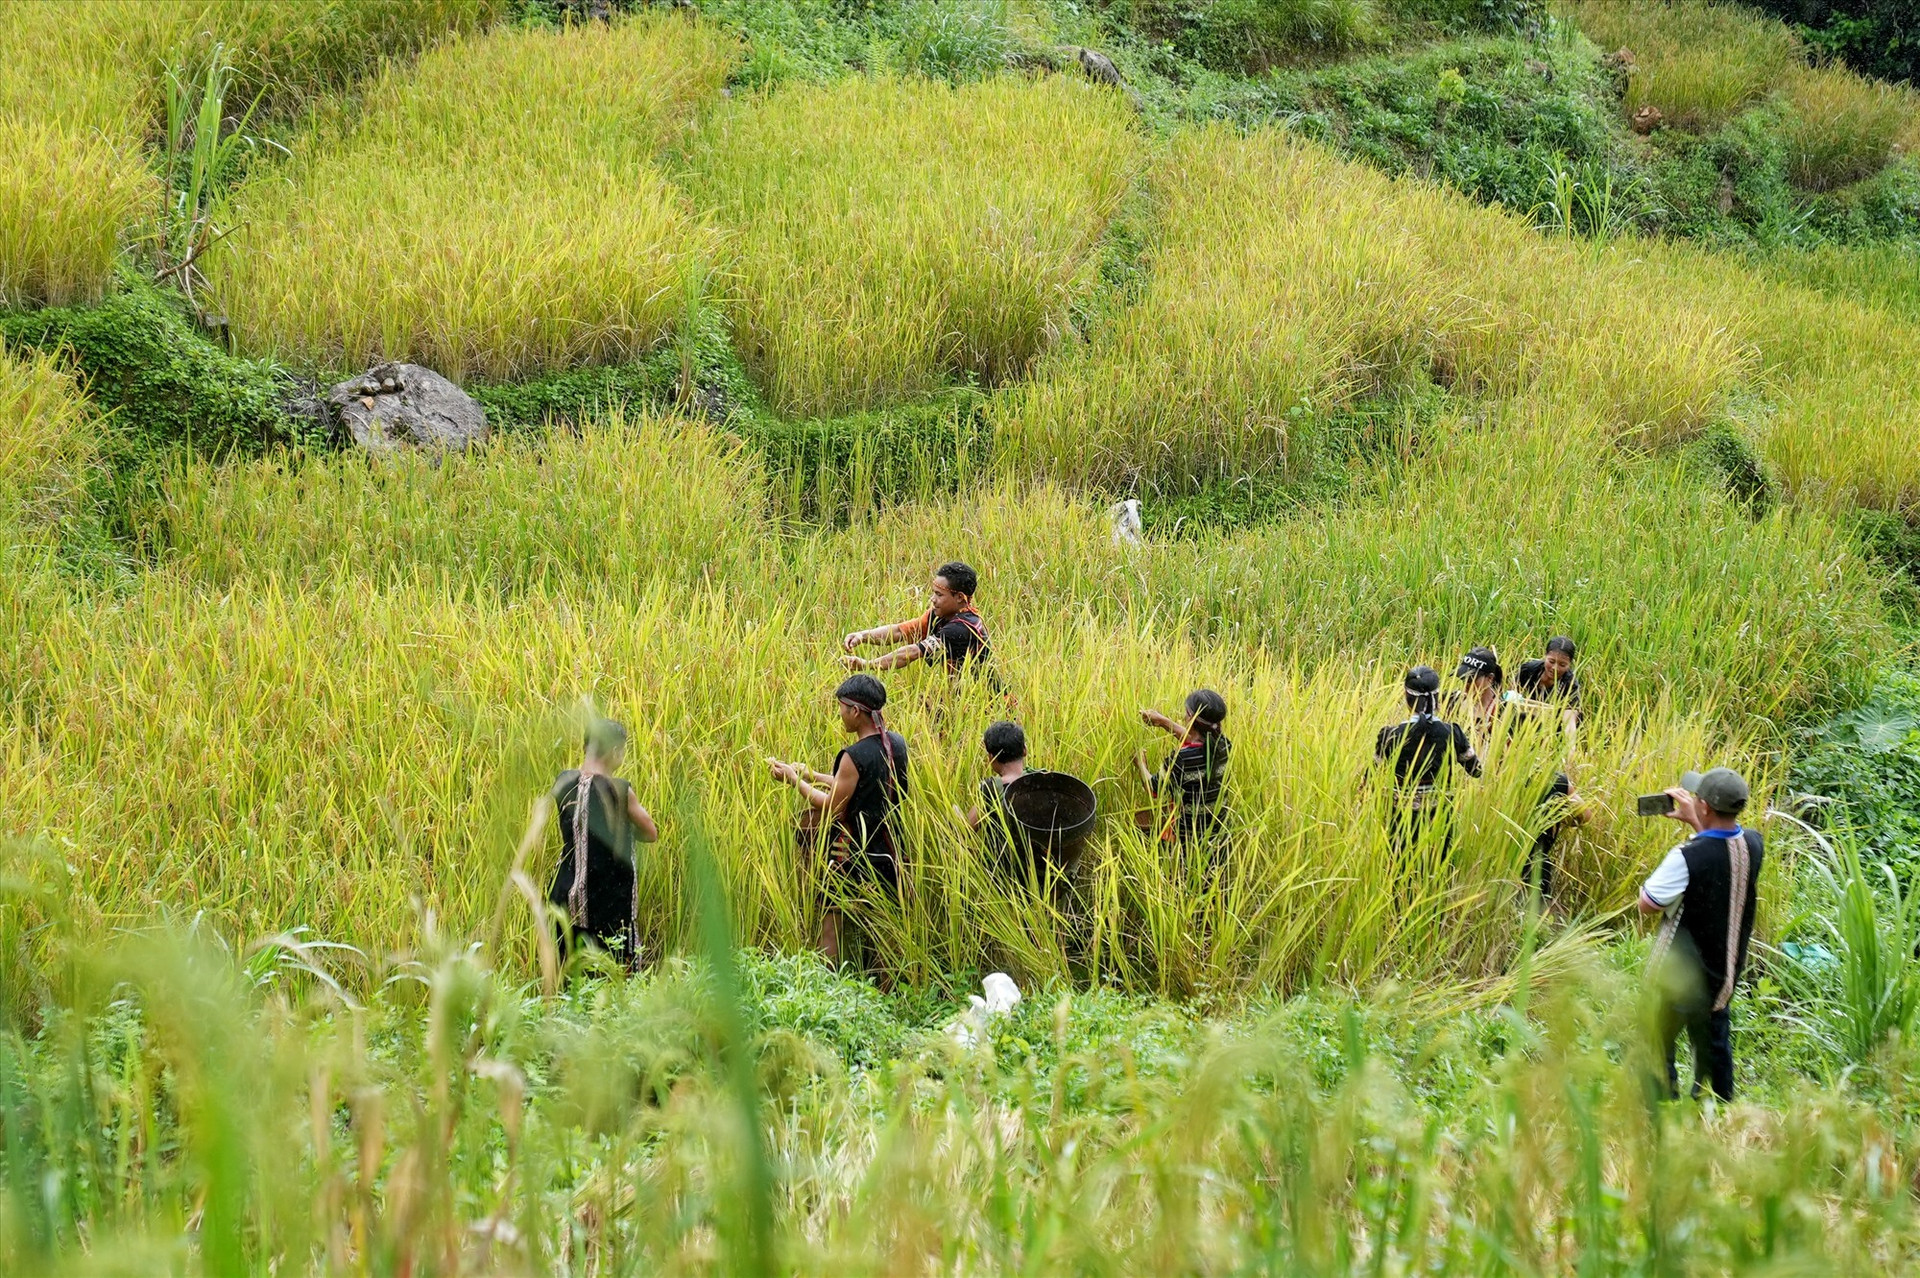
951 632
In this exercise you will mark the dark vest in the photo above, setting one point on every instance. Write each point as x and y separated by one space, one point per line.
1715 920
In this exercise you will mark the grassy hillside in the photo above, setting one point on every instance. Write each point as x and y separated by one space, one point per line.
1408 326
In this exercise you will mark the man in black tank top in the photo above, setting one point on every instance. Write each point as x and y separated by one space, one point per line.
1422 752
595 884
1706 890
854 803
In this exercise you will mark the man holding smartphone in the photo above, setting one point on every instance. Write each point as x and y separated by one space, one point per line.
1705 889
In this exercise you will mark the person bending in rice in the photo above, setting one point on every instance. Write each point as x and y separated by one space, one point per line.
951 632
1195 774
854 803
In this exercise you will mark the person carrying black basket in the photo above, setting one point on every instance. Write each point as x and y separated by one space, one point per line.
854 803
595 883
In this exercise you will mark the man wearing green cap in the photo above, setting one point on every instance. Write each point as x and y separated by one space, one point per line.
1705 889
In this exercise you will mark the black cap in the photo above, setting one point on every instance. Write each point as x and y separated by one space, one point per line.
1480 661
1422 681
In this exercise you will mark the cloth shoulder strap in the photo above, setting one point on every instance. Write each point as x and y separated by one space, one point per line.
1739 874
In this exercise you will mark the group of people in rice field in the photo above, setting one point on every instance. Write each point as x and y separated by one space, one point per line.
1704 888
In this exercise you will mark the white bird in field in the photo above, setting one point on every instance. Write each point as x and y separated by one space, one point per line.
1002 996
1126 522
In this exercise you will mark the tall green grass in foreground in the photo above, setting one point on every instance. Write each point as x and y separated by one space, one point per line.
80 91
334 699
1285 283
494 211
196 1112
893 234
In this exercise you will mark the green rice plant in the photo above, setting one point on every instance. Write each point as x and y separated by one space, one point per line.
533 230
1285 284
1875 933
1883 276
1841 127
1254 36
892 235
1699 62
627 501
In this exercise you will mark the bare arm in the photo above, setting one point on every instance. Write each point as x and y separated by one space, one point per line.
895 633
796 775
904 656
1154 719
642 822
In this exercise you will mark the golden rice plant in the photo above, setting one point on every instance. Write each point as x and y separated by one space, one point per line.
1285 283
80 93
492 212
66 200
890 235
45 445
318 735
1699 62
1841 127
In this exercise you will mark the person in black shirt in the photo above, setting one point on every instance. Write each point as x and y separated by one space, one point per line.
950 633
1006 747
1551 679
1705 890
600 819
1477 704
855 801
1195 773
1422 751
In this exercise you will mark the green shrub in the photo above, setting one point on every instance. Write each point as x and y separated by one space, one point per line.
842 467
1253 36
168 384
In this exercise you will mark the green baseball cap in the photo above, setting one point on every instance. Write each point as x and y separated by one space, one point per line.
1723 789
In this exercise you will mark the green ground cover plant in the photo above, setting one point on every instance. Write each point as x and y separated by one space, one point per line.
533 231
891 236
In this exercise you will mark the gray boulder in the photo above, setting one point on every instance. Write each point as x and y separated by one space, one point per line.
399 405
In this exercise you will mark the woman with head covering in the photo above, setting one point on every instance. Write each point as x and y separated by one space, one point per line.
855 801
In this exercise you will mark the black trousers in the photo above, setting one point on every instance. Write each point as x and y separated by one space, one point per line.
1711 1033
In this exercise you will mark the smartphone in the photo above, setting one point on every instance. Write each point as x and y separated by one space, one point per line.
1656 805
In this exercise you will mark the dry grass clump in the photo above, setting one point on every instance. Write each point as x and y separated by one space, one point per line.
494 212
1698 61
1842 127
1285 283
892 234
80 91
